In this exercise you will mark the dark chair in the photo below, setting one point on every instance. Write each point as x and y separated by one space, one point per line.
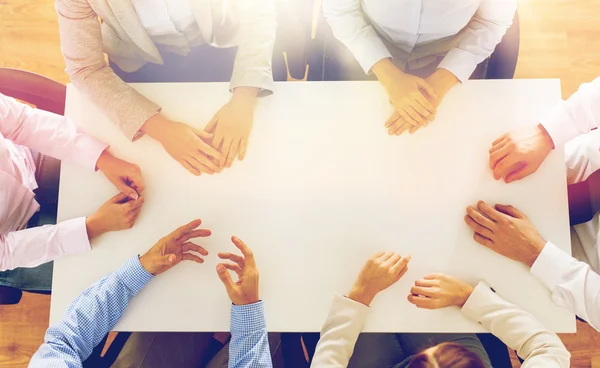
503 61
49 95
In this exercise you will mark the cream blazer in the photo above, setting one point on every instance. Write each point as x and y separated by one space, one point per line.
90 28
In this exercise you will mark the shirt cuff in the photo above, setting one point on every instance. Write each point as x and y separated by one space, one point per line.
89 150
479 298
551 265
74 236
369 51
262 81
559 125
249 317
460 63
133 275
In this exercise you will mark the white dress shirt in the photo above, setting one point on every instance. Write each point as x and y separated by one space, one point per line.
164 17
575 116
21 128
517 328
475 27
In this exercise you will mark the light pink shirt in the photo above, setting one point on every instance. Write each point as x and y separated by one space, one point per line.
22 128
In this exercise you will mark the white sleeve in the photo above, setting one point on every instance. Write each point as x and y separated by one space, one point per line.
484 32
350 26
575 116
573 284
339 333
517 328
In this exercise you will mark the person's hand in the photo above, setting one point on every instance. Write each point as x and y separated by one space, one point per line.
505 230
124 175
411 97
442 81
118 213
245 290
518 154
232 124
174 248
439 291
380 271
185 144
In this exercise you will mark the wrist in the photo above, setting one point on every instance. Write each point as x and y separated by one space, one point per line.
383 70
465 293
537 247
145 262
103 160
155 125
546 138
93 227
445 79
245 95
360 293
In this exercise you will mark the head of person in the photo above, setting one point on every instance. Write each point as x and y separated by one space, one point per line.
446 355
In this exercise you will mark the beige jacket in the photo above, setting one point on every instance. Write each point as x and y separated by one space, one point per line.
518 329
90 27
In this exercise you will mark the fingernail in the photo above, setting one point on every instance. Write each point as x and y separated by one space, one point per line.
134 196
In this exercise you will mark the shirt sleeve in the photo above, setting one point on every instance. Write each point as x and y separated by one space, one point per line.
35 246
339 333
254 56
572 283
479 40
249 346
90 317
518 329
575 116
48 133
351 27
83 51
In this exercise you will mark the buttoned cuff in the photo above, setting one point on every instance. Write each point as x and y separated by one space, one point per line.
89 150
133 275
261 80
551 265
475 306
74 236
459 62
560 125
249 317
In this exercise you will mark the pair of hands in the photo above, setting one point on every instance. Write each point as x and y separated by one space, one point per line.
210 150
176 247
414 99
384 269
121 211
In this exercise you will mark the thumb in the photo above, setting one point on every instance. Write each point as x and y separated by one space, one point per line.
511 211
212 124
225 277
127 190
119 198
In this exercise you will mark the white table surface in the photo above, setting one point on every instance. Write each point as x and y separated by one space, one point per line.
322 188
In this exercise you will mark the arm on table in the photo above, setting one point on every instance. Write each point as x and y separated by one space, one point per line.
90 317
38 245
484 32
249 345
48 133
573 284
258 27
517 328
81 45
339 333
575 116
350 26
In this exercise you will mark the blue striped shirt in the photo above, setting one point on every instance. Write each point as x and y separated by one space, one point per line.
98 309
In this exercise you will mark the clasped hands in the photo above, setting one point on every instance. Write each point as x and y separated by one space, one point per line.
176 247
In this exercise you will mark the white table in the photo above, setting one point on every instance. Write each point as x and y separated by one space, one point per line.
323 187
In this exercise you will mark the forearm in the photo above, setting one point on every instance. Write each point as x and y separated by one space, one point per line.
50 134
350 26
575 116
572 283
249 346
81 44
479 40
35 246
254 57
91 316
339 333
517 328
